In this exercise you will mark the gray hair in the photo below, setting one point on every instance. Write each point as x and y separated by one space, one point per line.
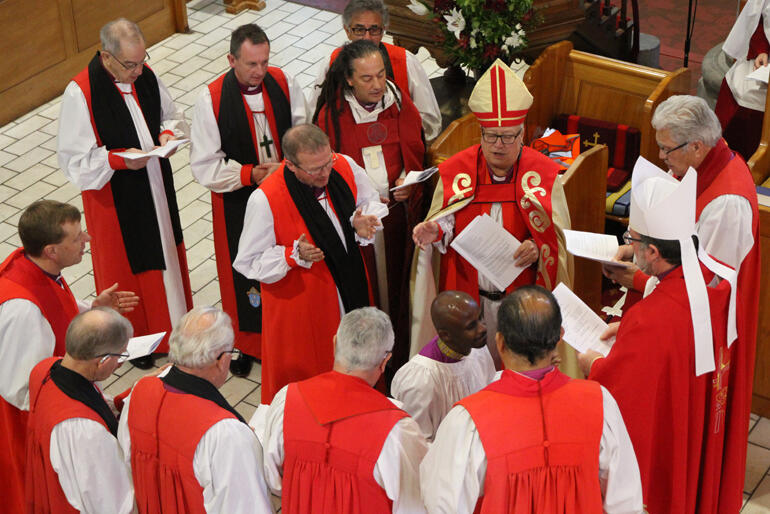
357 6
364 337
688 118
95 332
199 337
117 31
303 138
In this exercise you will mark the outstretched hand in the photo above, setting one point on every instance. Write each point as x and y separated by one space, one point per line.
365 225
425 233
121 301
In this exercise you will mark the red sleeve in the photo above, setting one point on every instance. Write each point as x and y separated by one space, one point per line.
119 399
640 280
246 178
169 132
292 263
116 162
758 43
440 233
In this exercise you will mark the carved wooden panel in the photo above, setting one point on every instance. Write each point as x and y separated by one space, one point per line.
761 400
26 49
90 16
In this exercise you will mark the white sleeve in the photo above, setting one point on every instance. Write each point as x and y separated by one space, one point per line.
124 436
423 97
397 469
228 466
26 338
207 160
85 164
274 455
90 466
259 257
724 229
414 387
300 112
619 477
315 87
447 224
367 198
172 117
452 473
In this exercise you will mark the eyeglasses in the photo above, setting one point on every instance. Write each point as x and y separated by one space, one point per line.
122 357
506 139
326 167
628 239
235 352
360 30
131 65
668 151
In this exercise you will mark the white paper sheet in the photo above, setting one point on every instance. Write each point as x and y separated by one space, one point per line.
489 248
143 345
413 177
762 74
582 326
258 422
596 247
161 151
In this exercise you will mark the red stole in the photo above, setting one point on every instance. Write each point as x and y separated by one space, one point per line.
397 56
300 311
21 278
542 441
676 420
109 257
49 406
732 176
163 443
526 206
334 428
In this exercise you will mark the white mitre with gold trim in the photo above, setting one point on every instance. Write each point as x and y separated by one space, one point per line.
500 98
663 207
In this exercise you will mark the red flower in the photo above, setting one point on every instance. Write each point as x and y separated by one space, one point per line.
495 5
491 51
441 6
463 41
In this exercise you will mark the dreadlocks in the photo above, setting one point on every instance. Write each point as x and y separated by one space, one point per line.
335 84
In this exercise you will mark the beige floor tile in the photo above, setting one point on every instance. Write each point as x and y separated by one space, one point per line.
6 140
192 212
270 19
236 389
56 178
73 273
6 157
7 192
83 287
757 465
254 398
189 193
759 503
189 66
285 56
199 229
194 81
320 52
52 128
29 142
7 230
217 50
6 249
52 110
208 295
9 213
201 275
761 433
26 127
282 42
34 192
245 410
6 174
27 160
29 176
178 42
65 193
218 66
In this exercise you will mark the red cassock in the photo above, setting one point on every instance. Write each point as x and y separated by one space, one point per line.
301 311
741 126
676 420
228 209
397 63
725 173
21 278
49 406
527 213
399 133
542 441
334 428
164 436
108 248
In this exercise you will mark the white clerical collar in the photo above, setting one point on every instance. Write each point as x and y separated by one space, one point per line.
360 114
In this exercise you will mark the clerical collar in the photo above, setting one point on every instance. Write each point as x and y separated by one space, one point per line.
318 191
446 350
55 278
250 90
665 273
368 106
500 180
536 374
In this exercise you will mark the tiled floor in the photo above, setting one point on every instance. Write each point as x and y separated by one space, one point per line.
301 37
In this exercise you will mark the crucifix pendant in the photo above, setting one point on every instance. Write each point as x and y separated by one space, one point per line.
266 143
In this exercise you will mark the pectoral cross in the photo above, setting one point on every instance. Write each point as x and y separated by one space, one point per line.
266 143
594 142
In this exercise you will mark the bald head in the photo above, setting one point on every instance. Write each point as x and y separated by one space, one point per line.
455 315
304 138
529 319
118 32
96 332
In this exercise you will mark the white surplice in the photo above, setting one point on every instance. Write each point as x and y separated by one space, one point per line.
420 91
207 160
429 388
91 467
259 257
26 338
748 93
227 465
454 469
396 469
86 165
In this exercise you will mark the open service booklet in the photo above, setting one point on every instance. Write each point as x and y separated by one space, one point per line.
596 247
161 151
489 248
143 345
582 326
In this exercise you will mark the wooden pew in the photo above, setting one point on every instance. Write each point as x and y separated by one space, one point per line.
586 204
567 81
759 163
